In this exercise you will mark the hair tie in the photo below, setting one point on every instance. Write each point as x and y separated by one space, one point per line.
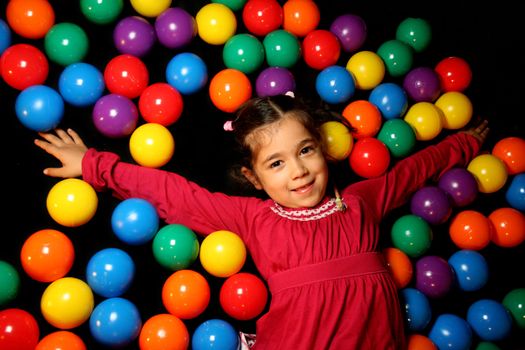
228 125
290 93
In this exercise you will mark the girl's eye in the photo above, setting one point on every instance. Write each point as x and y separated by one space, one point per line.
275 164
307 149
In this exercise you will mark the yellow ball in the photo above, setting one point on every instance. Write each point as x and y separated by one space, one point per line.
426 120
337 139
368 69
152 145
72 202
489 171
67 302
216 23
150 8
457 109
222 253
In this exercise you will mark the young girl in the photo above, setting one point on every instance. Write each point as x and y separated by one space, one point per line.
319 254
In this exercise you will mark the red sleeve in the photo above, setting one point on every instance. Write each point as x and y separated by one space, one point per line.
395 187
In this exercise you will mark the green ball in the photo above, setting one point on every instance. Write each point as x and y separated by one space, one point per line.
66 43
397 56
243 52
514 301
234 5
9 282
175 247
412 235
282 48
485 345
101 11
415 32
398 136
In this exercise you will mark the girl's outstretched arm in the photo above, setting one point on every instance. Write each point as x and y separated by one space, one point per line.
68 148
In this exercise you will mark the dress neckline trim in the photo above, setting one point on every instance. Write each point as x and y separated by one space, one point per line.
307 214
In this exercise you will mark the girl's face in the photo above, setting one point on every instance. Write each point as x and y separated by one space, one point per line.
288 164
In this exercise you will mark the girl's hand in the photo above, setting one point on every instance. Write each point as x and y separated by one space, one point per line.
480 130
68 148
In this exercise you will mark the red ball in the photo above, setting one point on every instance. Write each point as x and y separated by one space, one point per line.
18 330
454 74
161 103
243 296
261 17
23 65
126 75
369 157
321 49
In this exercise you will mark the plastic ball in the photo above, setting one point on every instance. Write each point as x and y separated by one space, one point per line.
216 23
72 202
234 5
489 319
215 334
67 302
261 17
101 12
515 193
229 89
460 185
81 84
426 120
222 253
364 117
391 100
66 43
23 65
432 204
471 270
320 48
367 68
350 30
470 229
243 296
149 8
398 136
451 332
434 276
415 32
369 158
176 247
514 302
134 35
39 108
454 74
5 36
399 265
281 48
115 322
61 340
337 139
420 342
18 330
161 103
187 73
30 19
186 294
135 221
335 84
126 75
175 28
489 171
47 255
300 17
417 309
457 109
244 52
164 331
412 235
9 283
397 56
422 84
110 272
511 150
115 116
485 345
273 81
508 227
152 145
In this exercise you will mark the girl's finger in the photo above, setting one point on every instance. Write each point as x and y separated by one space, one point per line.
75 137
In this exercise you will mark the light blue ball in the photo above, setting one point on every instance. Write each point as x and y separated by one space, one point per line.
187 73
110 272
515 194
471 270
135 221
81 84
335 84
39 108
5 36
489 319
391 100
215 334
451 332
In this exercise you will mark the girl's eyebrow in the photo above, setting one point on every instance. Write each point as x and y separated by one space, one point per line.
276 155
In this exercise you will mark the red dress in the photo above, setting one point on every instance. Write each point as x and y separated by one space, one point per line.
330 288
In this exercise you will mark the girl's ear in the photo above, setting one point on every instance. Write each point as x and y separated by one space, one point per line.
250 176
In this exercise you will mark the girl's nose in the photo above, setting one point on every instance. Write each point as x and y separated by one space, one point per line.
299 170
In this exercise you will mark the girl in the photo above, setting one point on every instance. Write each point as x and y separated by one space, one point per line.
319 254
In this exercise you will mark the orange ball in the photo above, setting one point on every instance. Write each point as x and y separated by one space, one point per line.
30 19
420 342
61 340
186 294
364 117
399 265
164 331
229 89
508 227
511 150
47 255
300 17
470 229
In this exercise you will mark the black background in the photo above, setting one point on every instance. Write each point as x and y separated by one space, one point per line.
488 36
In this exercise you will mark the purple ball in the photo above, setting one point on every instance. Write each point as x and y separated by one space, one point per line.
350 30
422 84
274 81
115 116
460 185
175 28
432 204
134 35
434 276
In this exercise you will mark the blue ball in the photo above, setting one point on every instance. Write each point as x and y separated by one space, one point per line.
187 73
115 322
471 270
110 272
418 311
5 36
81 84
451 332
335 84
489 319
391 100
515 194
215 334
39 108
135 221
